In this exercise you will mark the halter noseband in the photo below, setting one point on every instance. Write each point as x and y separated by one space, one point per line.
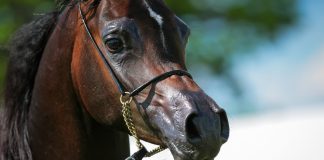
126 110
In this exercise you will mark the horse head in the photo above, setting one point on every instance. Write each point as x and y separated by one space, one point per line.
140 40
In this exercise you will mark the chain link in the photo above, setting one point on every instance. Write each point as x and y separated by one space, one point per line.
128 118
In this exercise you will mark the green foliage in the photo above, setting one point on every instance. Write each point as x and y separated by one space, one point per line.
3 66
224 28
13 13
267 15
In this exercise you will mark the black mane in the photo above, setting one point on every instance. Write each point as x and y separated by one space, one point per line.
24 56
25 52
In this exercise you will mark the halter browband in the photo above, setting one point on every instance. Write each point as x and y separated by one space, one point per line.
120 86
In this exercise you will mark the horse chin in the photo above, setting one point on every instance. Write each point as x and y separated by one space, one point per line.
149 137
184 152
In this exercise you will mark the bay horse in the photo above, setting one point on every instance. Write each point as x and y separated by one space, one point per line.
66 73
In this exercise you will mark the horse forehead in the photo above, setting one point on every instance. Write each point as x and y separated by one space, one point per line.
146 13
115 8
153 14
126 8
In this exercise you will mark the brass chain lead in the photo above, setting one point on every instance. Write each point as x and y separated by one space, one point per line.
128 118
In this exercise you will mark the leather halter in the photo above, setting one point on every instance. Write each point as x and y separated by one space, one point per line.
120 86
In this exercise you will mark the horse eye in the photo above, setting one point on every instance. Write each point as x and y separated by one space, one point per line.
114 45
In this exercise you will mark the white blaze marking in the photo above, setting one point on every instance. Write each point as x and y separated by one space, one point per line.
158 19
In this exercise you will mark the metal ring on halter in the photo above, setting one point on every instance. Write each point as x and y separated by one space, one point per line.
126 98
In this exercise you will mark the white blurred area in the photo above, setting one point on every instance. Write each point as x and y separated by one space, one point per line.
285 135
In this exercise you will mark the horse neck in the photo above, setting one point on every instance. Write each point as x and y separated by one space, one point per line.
58 126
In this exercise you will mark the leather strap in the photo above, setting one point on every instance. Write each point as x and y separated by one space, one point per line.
160 78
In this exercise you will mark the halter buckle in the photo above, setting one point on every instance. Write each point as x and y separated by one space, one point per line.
125 98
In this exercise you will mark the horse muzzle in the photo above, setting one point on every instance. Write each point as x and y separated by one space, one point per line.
191 124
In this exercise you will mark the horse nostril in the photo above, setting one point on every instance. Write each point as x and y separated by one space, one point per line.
191 129
224 126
